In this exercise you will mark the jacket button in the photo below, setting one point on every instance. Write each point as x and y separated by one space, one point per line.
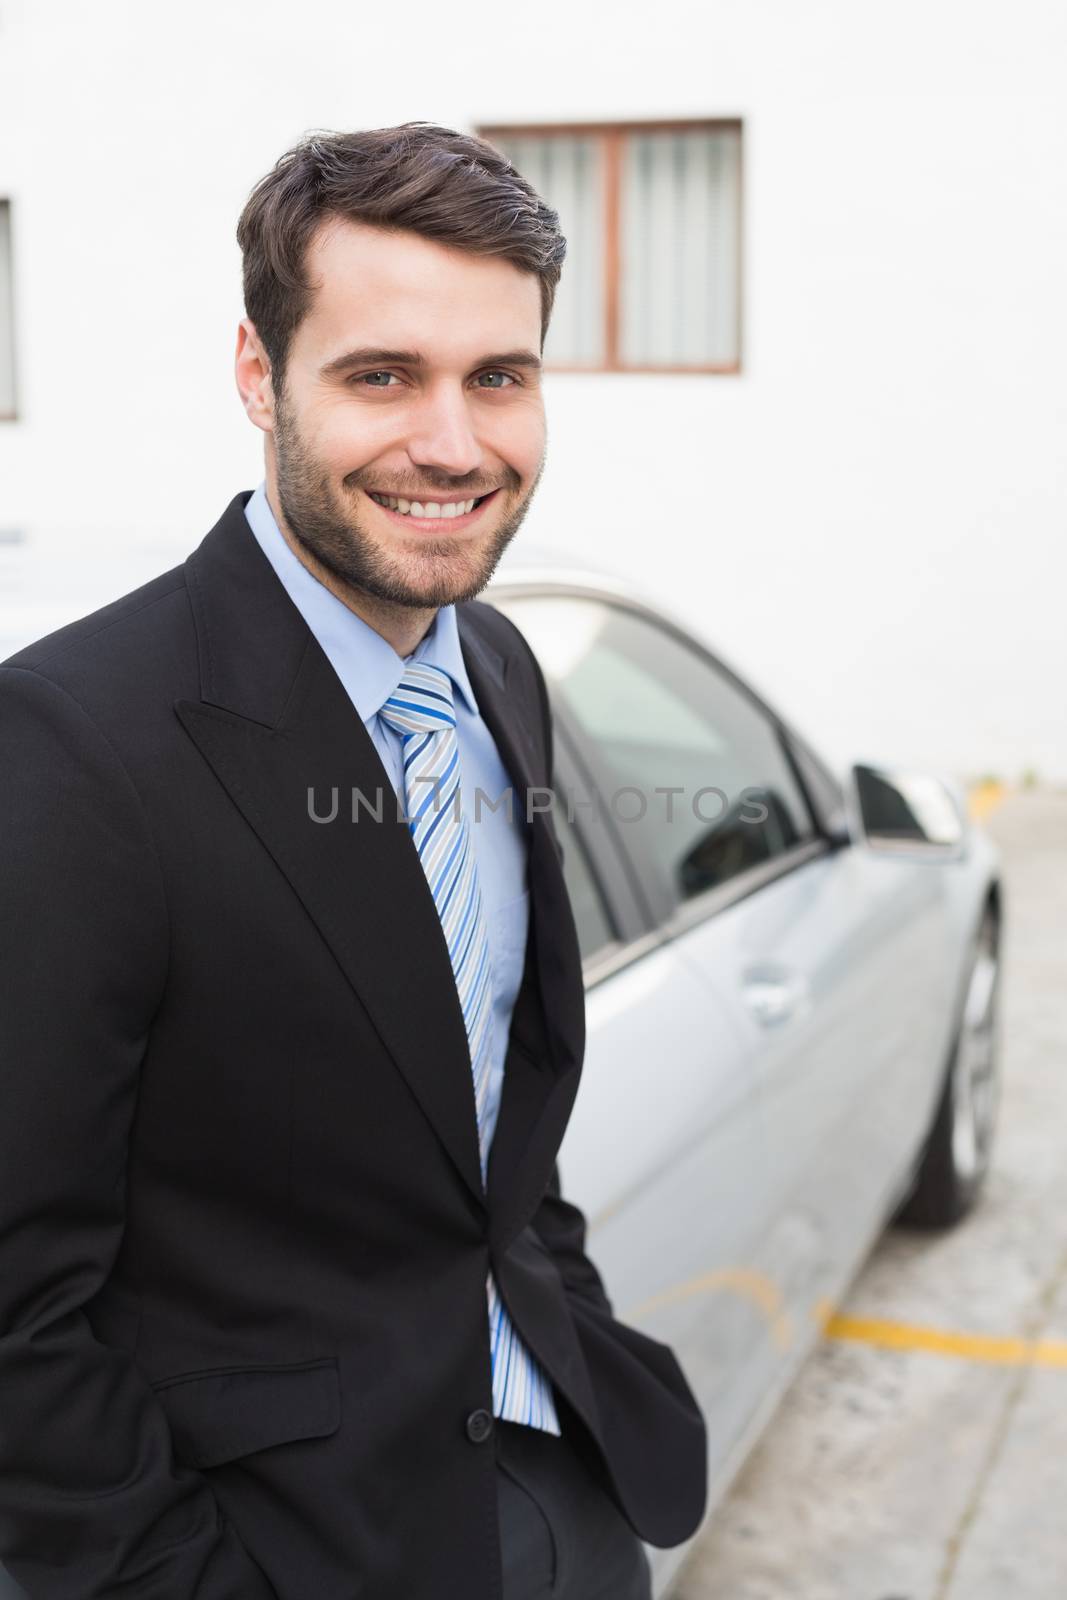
479 1427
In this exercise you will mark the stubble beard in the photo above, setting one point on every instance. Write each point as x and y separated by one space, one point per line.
440 573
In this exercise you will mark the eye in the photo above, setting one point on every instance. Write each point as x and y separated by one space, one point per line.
370 379
504 378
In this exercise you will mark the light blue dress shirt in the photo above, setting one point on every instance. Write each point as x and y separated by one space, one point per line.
370 669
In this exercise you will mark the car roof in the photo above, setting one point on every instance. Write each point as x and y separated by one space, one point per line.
541 569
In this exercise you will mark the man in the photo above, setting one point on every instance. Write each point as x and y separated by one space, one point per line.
291 1307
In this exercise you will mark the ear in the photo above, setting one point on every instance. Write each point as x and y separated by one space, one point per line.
252 371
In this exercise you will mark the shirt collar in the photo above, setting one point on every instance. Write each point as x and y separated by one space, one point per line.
439 647
367 665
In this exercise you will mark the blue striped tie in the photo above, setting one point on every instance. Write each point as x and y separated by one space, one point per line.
421 710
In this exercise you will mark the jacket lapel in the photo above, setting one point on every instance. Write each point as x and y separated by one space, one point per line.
275 724
281 735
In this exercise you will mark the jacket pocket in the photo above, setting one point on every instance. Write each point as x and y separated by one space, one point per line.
228 1412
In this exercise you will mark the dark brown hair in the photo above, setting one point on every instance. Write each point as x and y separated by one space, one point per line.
429 180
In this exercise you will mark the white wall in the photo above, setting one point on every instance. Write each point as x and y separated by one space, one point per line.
870 521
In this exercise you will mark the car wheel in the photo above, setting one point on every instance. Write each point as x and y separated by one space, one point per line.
956 1155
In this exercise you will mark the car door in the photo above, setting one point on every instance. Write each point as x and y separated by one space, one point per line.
803 947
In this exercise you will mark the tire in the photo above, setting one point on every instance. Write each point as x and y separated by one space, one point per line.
956 1155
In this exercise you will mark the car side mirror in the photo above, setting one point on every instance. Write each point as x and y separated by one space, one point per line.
906 813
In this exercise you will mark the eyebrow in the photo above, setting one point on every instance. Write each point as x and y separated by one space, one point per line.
411 358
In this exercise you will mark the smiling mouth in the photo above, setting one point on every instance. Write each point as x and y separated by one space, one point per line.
430 510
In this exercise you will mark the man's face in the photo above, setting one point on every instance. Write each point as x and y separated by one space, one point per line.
413 382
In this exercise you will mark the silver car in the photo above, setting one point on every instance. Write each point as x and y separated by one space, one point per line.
791 992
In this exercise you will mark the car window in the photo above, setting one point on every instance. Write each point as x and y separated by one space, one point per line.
654 714
590 914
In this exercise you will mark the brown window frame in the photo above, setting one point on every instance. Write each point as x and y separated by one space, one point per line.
612 135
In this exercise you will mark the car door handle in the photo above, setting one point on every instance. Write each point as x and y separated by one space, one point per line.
773 995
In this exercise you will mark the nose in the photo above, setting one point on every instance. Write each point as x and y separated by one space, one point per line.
442 433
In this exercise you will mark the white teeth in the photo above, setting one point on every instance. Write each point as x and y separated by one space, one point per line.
415 508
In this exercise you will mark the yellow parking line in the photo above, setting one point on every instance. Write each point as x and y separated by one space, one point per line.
1004 1352
765 1295
747 1283
984 798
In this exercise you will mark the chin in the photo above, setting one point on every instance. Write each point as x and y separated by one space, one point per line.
451 586
440 571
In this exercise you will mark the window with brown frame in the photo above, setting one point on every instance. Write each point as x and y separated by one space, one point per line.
652 216
7 319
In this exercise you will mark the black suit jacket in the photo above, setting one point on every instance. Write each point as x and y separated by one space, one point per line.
243 1237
